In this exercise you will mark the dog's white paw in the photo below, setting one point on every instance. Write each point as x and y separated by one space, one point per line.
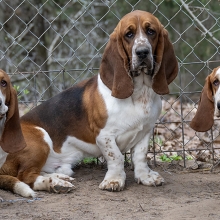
148 177
113 182
112 185
59 176
58 185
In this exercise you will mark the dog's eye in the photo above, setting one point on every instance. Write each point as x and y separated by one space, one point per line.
129 34
150 31
3 83
216 82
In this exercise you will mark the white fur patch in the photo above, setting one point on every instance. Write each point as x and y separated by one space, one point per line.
24 190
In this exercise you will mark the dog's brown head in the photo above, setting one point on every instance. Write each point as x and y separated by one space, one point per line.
209 104
139 44
11 139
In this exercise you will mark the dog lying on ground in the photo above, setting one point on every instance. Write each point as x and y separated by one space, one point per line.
108 114
11 138
209 104
13 147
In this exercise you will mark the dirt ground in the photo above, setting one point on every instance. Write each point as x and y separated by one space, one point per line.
185 195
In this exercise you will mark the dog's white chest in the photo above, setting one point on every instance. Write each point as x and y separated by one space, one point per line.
146 111
132 118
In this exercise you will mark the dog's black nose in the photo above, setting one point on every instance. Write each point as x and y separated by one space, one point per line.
218 105
142 52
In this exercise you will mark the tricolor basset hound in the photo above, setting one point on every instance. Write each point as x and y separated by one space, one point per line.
11 138
13 147
108 114
209 104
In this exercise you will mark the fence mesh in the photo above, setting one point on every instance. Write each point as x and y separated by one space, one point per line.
47 46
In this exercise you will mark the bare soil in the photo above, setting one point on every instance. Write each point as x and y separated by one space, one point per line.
185 195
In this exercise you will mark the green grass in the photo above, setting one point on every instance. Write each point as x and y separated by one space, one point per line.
89 160
165 158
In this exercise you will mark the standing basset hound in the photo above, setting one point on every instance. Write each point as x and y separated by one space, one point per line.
209 104
108 114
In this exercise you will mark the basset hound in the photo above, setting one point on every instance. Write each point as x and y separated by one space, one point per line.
209 104
15 152
11 138
108 114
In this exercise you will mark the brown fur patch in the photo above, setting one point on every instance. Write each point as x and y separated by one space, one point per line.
96 111
26 165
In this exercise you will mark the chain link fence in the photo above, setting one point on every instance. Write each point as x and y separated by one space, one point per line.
49 45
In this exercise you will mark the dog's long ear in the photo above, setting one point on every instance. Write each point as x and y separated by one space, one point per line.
204 118
166 65
114 69
12 139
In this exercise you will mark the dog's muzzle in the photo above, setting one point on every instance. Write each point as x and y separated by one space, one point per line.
144 63
141 69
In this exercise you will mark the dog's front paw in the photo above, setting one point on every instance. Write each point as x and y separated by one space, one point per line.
148 178
113 183
59 176
58 185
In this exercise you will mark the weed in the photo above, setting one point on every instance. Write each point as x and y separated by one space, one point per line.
89 160
165 158
25 91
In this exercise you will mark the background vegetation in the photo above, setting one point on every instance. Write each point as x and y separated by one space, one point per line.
48 45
